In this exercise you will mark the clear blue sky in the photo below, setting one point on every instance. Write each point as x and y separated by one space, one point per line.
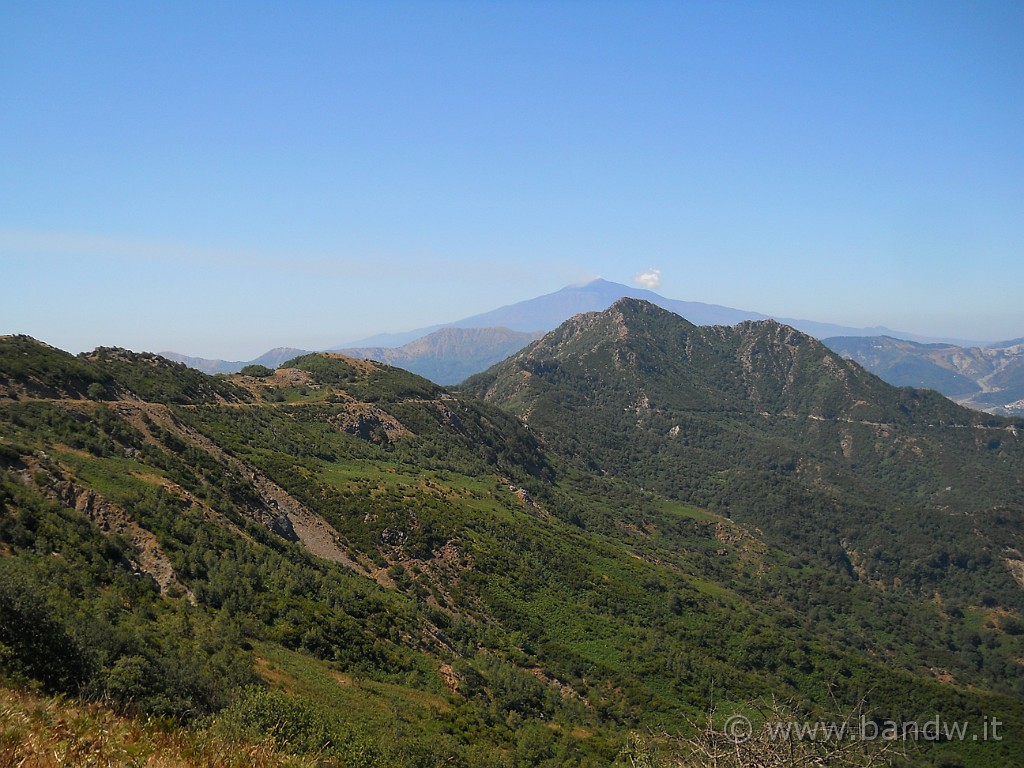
219 178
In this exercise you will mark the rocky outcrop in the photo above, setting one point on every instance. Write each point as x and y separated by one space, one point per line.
149 558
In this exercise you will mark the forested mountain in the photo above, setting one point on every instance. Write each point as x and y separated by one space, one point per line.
768 426
989 378
341 563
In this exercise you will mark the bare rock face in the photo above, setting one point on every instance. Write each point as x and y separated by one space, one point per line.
283 527
368 422
1015 565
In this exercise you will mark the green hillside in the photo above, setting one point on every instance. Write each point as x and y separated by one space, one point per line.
341 563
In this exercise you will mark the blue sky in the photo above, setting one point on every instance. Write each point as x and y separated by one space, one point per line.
220 178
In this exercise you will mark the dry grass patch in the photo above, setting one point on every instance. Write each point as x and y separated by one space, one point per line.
48 732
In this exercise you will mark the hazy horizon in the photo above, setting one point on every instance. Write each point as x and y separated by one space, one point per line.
220 180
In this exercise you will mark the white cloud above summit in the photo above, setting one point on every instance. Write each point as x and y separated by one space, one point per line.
649 279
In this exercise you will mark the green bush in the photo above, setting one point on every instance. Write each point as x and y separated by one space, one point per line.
34 644
289 722
259 371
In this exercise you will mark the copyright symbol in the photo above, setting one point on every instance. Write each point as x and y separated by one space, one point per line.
738 729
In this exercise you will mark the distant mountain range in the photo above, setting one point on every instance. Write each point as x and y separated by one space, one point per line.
271 359
449 357
989 378
985 377
547 312
446 356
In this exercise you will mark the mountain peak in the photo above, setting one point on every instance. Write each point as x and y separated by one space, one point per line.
639 321
651 355
787 334
627 302
633 310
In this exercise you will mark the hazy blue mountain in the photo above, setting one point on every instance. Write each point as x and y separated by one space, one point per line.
989 378
449 355
1006 344
547 312
271 359
389 340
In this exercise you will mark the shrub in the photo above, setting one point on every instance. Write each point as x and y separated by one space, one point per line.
33 643
259 371
288 722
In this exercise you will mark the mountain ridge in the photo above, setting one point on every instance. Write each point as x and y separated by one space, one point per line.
534 316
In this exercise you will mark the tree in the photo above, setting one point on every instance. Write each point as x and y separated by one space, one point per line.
258 371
